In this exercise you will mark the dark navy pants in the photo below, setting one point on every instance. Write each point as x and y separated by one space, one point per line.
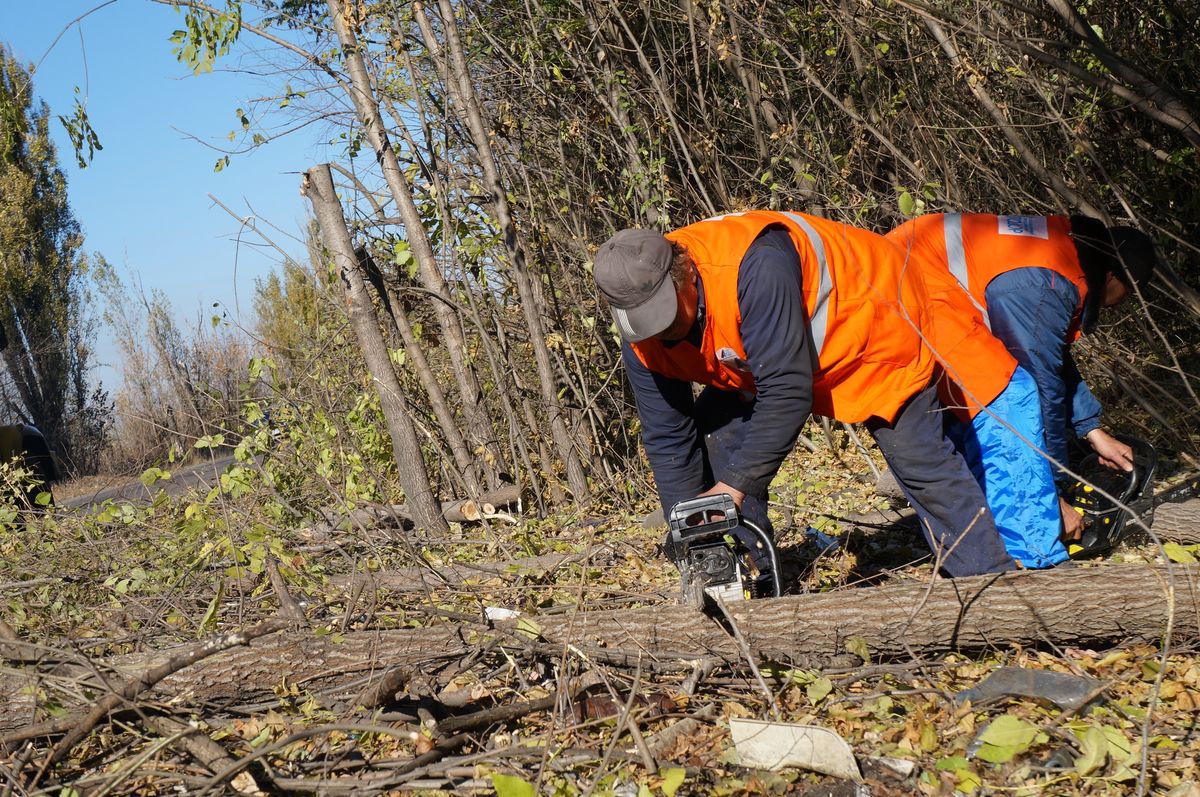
936 479
938 483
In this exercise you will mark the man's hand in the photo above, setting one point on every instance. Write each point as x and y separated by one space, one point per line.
722 487
1111 451
1072 521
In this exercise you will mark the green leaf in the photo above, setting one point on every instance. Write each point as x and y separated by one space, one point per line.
858 646
511 786
968 781
1006 737
1007 729
1119 746
210 441
1177 553
529 628
953 764
818 690
153 474
210 614
672 780
1095 749
908 205
43 498
999 753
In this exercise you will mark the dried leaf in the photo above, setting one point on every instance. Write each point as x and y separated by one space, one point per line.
858 646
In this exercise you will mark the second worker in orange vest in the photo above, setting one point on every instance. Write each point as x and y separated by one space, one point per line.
1034 282
780 315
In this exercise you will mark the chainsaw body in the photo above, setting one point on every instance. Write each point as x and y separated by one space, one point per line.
714 565
1104 519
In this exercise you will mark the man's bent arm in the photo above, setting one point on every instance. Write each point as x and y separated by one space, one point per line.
1085 408
779 352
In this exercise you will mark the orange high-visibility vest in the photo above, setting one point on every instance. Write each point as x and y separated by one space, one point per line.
863 310
959 254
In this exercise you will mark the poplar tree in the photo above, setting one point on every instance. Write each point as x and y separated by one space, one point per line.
43 283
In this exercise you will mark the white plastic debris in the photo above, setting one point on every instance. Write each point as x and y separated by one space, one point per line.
497 613
901 767
777 745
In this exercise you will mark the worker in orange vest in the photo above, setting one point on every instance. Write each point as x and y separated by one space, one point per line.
1036 283
780 315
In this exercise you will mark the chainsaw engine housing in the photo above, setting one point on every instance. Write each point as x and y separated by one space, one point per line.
712 562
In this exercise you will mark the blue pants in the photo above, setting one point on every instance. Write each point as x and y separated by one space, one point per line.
1001 446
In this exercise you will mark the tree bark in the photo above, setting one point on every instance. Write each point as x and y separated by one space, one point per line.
406 449
1178 522
1080 606
393 307
319 664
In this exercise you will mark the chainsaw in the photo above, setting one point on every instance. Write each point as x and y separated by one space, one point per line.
713 563
1103 518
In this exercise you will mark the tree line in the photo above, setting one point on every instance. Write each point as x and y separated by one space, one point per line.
488 145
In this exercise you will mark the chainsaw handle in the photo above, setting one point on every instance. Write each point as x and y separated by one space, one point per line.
1143 472
708 513
769 545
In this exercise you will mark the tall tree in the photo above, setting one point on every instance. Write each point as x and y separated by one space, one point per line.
43 277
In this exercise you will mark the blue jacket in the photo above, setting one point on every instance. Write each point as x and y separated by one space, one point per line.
1031 310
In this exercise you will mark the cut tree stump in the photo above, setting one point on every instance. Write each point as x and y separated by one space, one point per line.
1075 606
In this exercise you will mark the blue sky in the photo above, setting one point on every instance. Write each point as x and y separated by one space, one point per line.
143 202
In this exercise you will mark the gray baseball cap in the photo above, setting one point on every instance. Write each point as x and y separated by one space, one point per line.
633 271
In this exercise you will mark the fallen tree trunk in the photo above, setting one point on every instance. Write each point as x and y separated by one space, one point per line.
252 673
1075 606
1080 606
1175 522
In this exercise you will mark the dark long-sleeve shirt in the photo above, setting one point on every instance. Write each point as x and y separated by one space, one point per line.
1031 311
779 352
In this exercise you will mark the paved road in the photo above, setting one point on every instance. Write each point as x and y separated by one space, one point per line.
206 474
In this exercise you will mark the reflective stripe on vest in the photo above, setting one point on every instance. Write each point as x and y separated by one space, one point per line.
956 258
819 317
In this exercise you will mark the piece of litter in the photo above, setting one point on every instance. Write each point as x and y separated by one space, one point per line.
1062 689
496 613
823 541
776 745
901 767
